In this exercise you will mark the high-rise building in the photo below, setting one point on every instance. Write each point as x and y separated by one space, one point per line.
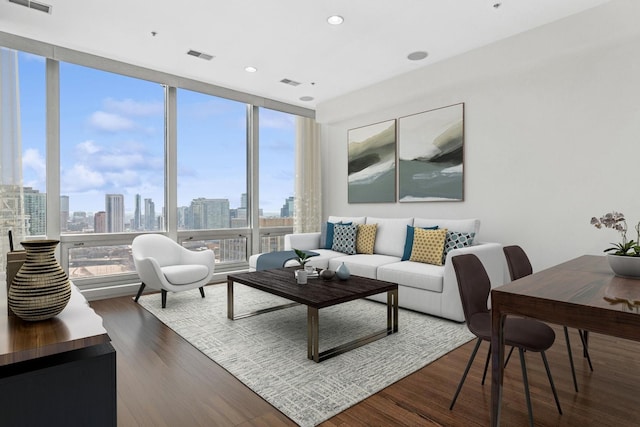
210 213
64 213
79 222
149 215
100 222
137 214
114 208
35 209
287 209
183 218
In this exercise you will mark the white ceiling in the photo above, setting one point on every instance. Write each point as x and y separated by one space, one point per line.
282 38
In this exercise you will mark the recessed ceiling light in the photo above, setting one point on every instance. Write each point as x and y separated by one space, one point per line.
250 69
335 20
417 56
306 98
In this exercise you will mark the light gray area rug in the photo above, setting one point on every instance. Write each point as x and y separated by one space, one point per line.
268 352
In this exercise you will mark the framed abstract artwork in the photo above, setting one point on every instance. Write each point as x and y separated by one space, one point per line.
372 163
430 155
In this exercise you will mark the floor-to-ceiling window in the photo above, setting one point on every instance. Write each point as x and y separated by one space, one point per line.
105 156
112 177
23 178
277 136
212 173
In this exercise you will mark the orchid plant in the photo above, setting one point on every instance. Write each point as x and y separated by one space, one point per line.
617 221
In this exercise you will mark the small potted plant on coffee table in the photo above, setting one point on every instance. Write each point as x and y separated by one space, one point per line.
302 257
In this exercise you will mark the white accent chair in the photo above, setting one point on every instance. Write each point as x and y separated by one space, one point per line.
163 264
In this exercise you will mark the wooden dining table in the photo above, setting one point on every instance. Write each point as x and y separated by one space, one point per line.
582 293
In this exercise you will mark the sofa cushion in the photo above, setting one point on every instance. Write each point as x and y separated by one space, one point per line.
344 219
413 274
344 238
391 235
428 246
184 274
408 243
363 265
461 225
366 238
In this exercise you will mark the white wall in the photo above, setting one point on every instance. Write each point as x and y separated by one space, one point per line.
552 133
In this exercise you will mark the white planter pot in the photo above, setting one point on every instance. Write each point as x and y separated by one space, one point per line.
625 266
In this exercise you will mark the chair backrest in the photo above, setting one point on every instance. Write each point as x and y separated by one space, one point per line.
517 261
473 283
161 248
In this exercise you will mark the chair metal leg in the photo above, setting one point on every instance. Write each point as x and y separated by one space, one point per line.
140 289
486 364
525 380
553 387
202 291
584 337
573 369
164 298
466 371
508 357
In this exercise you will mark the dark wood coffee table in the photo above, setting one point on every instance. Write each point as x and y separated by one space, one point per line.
317 294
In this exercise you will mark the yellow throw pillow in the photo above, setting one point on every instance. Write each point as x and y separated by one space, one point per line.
366 239
428 245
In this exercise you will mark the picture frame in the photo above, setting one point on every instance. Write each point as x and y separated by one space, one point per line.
431 155
372 163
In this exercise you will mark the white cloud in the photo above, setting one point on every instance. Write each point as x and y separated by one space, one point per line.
110 122
88 147
125 178
119 161
32 159
130 107
80 178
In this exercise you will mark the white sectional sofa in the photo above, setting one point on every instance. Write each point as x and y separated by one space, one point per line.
427 288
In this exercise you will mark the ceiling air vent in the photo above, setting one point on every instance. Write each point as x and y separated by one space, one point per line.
33 5
290 82
200 55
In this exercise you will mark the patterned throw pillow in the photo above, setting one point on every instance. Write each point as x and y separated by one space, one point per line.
456 240
366 238
326 234
408 243
344 238
428 245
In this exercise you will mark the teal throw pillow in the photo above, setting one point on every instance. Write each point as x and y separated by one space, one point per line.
344 238
408 243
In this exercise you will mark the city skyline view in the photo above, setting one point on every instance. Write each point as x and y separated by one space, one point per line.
112 142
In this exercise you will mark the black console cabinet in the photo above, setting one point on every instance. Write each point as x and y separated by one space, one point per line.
57 372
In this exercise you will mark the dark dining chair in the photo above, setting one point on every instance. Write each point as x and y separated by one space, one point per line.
524 334
520 266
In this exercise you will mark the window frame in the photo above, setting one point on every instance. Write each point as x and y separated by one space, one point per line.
97 286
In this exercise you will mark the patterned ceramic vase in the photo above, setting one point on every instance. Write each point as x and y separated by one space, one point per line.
41 288
343 272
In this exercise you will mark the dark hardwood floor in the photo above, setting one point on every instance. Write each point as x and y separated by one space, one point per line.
164 381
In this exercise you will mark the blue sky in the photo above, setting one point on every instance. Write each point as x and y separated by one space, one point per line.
112 141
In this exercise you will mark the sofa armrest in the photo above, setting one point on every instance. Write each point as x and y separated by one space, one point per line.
492 258
303 241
